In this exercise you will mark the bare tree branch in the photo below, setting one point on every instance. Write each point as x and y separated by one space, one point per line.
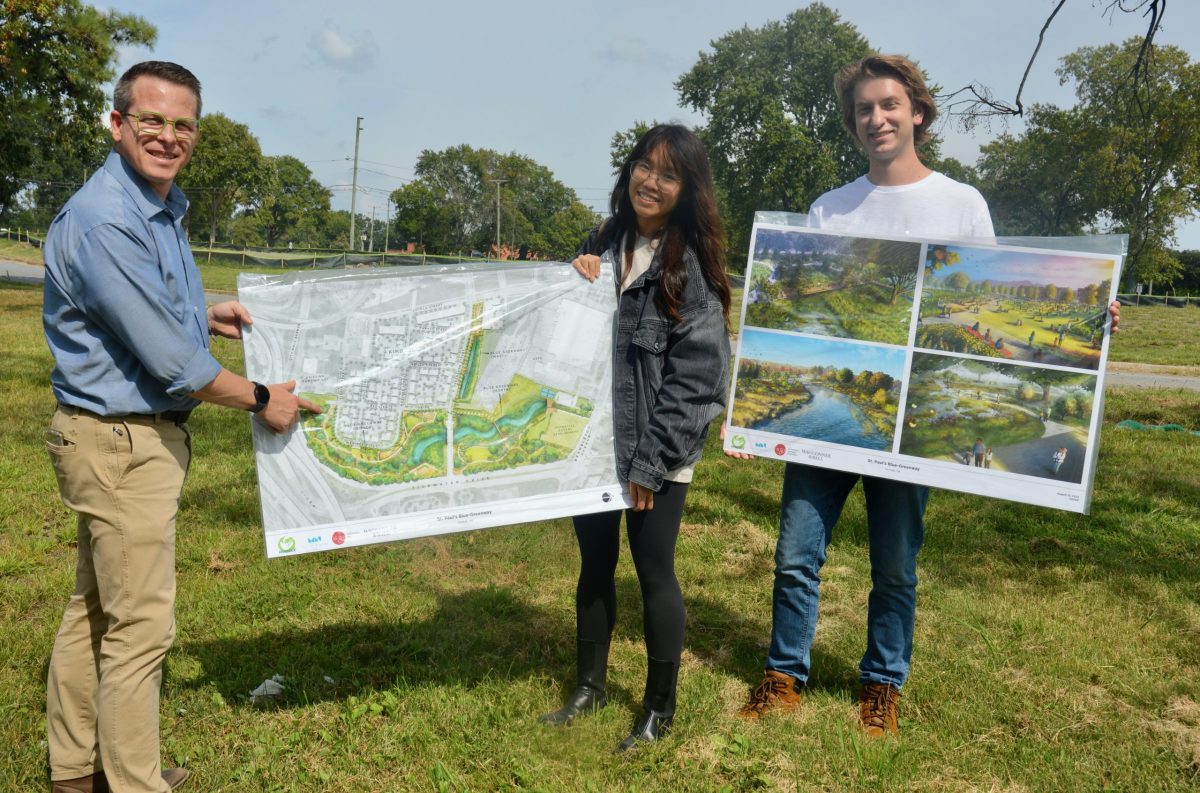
974 104
1140 71
1033 57
1155 10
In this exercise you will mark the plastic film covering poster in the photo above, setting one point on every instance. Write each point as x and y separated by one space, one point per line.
454 397
972 365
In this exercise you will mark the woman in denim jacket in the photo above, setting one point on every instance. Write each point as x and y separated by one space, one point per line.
670 378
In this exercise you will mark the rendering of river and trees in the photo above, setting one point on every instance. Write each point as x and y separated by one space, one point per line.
830 416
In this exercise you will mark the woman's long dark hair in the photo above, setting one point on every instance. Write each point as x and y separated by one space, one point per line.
693 223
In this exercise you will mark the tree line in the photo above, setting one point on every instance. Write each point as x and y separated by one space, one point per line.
1089 294
1122 159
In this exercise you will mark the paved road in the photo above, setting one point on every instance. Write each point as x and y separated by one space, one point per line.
33 274
1147 377
1122 375
21 273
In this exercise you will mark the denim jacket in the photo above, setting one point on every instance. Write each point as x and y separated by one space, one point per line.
670 379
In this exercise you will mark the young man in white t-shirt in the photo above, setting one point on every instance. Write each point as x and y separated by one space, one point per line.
887 108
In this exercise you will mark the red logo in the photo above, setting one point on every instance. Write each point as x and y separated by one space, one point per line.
780 449
339 537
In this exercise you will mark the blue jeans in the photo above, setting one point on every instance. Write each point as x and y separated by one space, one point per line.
812 501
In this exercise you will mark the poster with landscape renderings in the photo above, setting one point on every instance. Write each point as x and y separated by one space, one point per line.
970 365
454 398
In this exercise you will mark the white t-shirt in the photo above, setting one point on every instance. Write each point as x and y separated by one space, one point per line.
936 206
643 256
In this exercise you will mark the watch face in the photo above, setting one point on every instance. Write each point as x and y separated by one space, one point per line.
262 395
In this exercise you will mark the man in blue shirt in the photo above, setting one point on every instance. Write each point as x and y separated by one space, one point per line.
125 319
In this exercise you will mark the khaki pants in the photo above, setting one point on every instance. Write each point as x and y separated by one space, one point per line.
122 476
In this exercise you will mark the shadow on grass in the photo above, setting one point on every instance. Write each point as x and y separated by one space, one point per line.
471 637
736 644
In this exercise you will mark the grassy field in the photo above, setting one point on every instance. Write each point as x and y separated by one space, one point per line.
15 251
1151 335
1053 651
1157 335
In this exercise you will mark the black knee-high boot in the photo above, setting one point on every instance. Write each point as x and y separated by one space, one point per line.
592 666
658 706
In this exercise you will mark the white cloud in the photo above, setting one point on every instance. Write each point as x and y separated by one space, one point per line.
264 50
352 56
641 54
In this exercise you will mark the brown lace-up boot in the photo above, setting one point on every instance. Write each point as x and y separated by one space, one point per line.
879 709
777 692
175 776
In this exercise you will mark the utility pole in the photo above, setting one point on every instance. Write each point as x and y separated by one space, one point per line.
498 183
354 180
371 233
387 224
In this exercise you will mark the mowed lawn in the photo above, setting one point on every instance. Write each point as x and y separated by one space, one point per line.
1158 335
1053 651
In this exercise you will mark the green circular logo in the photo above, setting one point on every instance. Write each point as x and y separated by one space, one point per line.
738 442
287 544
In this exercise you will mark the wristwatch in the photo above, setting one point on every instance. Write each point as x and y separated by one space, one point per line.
262 395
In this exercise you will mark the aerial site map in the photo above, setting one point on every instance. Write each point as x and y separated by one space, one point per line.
455 397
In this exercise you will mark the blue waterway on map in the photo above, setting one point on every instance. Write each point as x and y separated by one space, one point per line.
830 416
462 433
418 452
465 432
535 408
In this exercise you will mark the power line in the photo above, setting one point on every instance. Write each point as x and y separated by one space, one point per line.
388 165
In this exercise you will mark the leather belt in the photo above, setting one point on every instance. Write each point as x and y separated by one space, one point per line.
176 417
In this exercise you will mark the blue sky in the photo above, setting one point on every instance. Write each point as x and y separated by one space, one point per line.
555 80
804 351
981 264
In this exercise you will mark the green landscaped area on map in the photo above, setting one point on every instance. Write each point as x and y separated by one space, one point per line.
419 452
527 427
470 373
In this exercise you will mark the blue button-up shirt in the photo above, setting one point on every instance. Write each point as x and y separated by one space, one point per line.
123 308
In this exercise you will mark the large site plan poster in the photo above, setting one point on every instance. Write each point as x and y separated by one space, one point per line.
455 398
965 365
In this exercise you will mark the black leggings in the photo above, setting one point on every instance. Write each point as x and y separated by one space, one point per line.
652 537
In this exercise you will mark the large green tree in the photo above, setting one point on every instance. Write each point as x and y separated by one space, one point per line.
450 206
58 175
1190 279
227 171
422 217
289 204
1047 181
1125 158
773 128
624 141
1152 133
55 58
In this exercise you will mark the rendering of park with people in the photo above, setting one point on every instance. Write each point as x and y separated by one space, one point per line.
830 285
1005 417
1017 305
